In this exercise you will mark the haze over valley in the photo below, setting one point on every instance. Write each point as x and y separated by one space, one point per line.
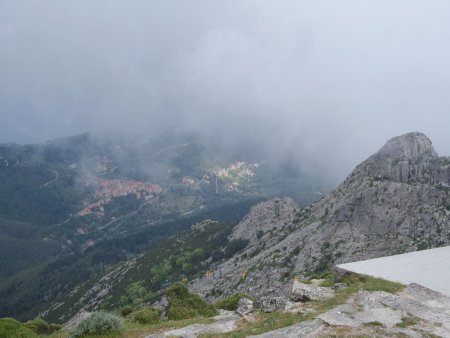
208 168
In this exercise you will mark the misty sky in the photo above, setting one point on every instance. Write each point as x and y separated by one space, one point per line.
325 81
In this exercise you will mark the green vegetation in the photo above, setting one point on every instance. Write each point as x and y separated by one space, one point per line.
407 321
97 323
184 305
178 258
368 283
126 310
40 326
10 327
375 323
230 303
146 315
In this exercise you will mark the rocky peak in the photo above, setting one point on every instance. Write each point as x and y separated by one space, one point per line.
408 146
407 158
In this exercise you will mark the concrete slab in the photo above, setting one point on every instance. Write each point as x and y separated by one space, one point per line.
430 268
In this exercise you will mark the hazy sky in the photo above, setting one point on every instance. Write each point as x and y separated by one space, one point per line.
328 81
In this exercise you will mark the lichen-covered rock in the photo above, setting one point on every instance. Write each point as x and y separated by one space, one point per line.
307 292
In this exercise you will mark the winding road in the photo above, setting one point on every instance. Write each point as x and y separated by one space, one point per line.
53 180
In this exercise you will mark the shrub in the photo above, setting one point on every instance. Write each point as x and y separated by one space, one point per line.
55 327
231 302
146 315
38 326
97 323
10 327
184 305
126 310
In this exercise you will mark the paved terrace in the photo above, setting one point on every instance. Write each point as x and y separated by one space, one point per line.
430 268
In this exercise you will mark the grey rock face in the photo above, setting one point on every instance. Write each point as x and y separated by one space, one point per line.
407 158
263 218
306 292
396 201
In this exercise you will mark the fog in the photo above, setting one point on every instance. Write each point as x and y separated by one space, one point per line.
323 82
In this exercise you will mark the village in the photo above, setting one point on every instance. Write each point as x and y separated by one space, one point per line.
108 189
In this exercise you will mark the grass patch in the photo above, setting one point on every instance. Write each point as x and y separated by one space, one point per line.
375 323
407 321
368 283
145 315
230 303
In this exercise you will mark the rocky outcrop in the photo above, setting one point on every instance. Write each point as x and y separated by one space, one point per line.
306 292
264 219
396 201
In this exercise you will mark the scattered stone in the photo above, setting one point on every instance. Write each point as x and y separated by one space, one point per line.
306 292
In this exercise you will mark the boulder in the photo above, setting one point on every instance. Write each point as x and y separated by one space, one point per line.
306 292
245 307
271 304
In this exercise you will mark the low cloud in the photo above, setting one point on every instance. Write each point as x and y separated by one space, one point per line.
323 82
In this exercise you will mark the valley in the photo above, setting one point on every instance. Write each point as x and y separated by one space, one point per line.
94 201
